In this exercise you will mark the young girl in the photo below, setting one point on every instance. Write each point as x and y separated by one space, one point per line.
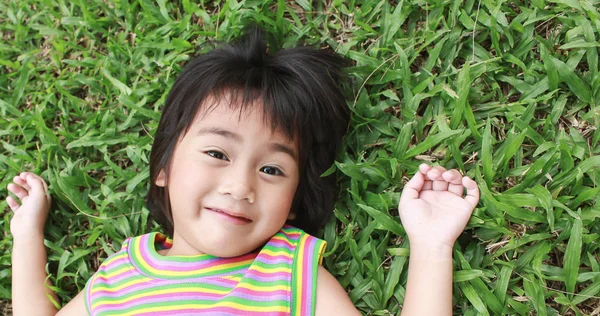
236 181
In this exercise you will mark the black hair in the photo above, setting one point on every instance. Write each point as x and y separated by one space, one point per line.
301 93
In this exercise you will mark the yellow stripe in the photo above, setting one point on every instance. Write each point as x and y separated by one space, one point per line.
240 307
102 287
299 271
271 270
156 292
99 287
114 273
101 301
115 257
180 273
282 252
322 247
263 288
286 238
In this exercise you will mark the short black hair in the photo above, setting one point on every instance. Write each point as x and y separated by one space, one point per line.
301 93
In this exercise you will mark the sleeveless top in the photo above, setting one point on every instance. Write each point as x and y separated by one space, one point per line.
278 279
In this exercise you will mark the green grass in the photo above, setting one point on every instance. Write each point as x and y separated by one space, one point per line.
507 92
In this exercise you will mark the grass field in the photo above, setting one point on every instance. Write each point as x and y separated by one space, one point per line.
506 91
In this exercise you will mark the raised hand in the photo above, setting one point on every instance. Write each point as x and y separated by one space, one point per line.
434 208
31 211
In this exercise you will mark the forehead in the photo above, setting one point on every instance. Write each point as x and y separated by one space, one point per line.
225 112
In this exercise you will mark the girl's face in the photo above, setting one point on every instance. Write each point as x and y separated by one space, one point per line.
231 183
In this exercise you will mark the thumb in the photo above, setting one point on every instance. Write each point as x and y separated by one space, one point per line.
412 188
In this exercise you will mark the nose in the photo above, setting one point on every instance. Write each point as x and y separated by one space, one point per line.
239 185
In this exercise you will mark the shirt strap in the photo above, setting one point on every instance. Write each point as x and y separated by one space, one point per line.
308 257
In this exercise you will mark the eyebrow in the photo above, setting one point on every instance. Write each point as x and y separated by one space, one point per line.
277 147
221 132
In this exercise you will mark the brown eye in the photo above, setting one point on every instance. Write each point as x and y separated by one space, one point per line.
271 171
217 154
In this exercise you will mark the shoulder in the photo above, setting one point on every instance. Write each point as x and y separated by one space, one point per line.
114 265
298 238
75 307
332 299
131 248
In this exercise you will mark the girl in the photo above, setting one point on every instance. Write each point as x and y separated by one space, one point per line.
235 174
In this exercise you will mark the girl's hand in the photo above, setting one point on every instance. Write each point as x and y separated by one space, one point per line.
433 207
30 215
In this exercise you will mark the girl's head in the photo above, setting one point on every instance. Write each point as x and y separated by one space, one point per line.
248 132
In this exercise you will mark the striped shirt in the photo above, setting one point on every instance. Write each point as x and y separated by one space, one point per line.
280 279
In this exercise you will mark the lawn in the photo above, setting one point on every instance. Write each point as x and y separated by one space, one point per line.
508 92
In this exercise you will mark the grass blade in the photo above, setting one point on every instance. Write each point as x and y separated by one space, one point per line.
573 256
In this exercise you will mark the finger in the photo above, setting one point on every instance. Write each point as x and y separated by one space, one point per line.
17 190
428 185
457 189
36 183
44 185
21 181
435 173
472 196
452 176
413 187
41 180
12 203
423 168
440 186
454 179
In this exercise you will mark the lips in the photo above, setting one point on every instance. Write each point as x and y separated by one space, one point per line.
230 214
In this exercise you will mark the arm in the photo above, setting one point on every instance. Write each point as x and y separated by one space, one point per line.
29 285
429 288
331 297
434 212
30 292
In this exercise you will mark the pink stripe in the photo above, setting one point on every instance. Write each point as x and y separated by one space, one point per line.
264 258
184 266
245 291
268 274
213 311
281 243
113 265
295 233
115 278
169 297
307 275
267 277
226 284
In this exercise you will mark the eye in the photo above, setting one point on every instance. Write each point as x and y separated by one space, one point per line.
271 171
217 154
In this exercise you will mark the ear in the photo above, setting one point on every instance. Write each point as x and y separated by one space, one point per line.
161 179
291 216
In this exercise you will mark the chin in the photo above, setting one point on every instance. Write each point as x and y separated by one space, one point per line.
229 253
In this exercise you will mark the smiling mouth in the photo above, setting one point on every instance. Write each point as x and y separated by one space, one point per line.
237 218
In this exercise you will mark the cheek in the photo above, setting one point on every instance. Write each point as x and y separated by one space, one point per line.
287 197
188 169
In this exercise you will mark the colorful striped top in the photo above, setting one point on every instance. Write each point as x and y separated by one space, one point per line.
279 279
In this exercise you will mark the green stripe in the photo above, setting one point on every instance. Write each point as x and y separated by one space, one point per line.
136 257
261 284
315 266
204 303
186 285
